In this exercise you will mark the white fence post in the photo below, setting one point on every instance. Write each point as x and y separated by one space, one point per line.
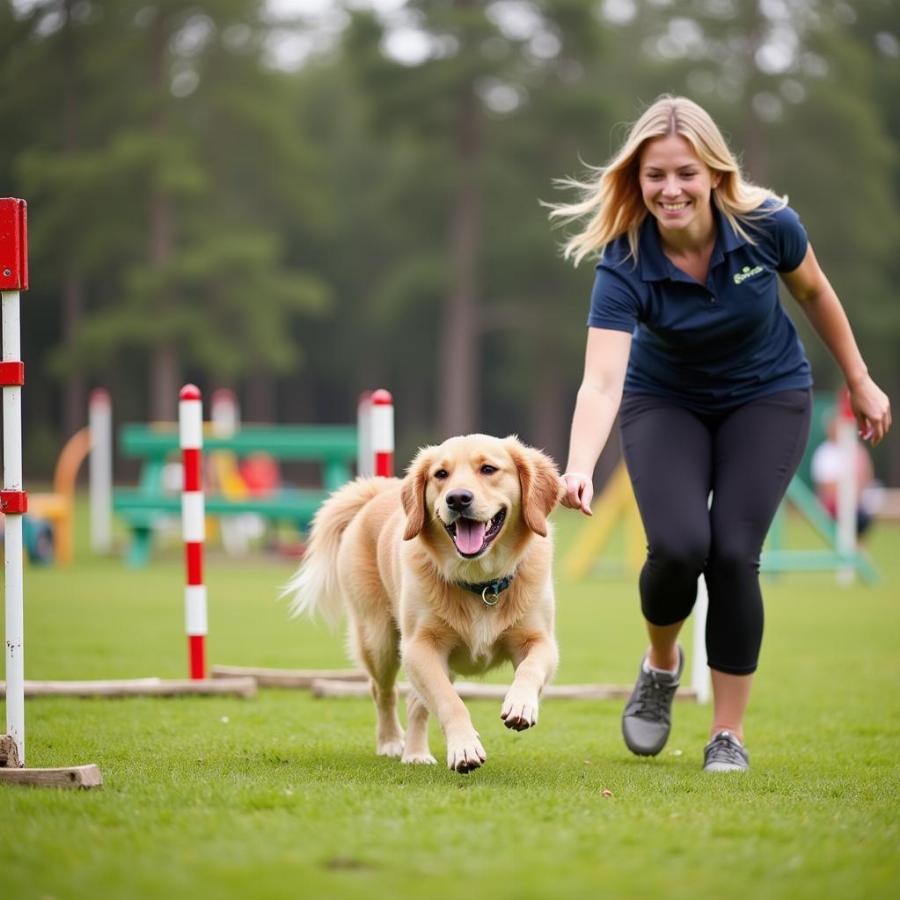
100 470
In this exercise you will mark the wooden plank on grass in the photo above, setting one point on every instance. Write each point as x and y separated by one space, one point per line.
75 777
139 687
467 690
288 678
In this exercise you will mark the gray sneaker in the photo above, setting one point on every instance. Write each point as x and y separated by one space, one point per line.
725 753
647 719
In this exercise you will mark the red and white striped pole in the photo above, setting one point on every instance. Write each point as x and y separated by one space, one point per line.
190 432
13 500
382 425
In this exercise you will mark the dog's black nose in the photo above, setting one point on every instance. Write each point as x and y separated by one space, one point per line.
460 500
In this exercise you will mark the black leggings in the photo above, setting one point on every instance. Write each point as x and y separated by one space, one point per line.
745 457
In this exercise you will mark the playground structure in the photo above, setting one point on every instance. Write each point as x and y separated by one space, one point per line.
146 507
335 448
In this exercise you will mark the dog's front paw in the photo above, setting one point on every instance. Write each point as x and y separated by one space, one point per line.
419 758
520 708
465 755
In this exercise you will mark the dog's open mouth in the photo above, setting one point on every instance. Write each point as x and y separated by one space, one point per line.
472 537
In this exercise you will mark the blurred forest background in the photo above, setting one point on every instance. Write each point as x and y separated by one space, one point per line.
301 200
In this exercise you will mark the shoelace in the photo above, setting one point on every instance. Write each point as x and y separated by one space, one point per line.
653 699
726 751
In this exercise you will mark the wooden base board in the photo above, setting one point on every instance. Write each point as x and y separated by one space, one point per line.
11 773
468 690
354 683
288 678
76 777
139 687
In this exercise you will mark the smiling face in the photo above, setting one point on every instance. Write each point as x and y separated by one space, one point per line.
473 483
676 185
476 494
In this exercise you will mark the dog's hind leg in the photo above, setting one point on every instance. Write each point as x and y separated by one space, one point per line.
415 749
377 648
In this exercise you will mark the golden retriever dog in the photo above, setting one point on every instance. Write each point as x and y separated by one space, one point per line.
449 571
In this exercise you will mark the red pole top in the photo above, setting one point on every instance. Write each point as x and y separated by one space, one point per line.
100 396
381 397
13 245
190 392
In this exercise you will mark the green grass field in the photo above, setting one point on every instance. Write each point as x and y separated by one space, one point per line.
282 796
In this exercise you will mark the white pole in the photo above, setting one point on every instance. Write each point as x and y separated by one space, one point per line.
100 470
12 481
847 499
699 671
224 413
700 680
225 420
365 461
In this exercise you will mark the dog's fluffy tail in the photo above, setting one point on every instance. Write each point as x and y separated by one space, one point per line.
314 588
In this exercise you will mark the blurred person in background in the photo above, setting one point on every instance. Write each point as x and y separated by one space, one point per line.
827 467
688 342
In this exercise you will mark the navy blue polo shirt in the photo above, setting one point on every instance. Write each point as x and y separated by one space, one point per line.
710 346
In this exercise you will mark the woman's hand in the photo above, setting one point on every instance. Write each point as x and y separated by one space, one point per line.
872 409
578 490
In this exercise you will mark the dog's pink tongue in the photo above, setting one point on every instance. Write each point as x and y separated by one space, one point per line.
469 535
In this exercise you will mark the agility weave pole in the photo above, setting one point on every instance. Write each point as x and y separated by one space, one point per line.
375 430
190 433
382 432
14 504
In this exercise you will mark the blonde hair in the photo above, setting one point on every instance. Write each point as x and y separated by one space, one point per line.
612 202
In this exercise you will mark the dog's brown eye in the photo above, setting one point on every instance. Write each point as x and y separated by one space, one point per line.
441 474
488 470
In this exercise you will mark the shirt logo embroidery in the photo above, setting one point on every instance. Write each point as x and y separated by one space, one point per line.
747 272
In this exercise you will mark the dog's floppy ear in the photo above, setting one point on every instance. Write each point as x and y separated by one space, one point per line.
412 494
539 483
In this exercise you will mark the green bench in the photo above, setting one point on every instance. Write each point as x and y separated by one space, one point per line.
333 447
